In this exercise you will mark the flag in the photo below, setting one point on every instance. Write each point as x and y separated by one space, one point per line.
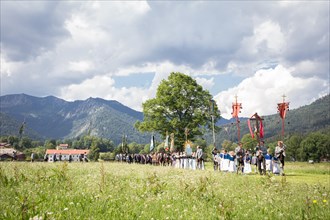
261 129
282 109
236 109
172 142
152 144
166 141
250 129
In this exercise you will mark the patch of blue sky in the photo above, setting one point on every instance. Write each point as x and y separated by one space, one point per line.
267 64
223 82
141 80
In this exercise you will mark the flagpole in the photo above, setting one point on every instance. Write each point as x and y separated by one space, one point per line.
212 117
236 110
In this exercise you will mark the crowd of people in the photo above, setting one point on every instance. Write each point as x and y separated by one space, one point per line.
261 161
184 160
239 161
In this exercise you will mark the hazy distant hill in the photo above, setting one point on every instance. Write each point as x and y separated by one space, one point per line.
51 117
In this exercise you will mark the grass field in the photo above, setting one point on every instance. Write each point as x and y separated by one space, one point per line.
123 191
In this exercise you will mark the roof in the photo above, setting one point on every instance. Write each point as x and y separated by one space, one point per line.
9 151
4 144
64 145
68 151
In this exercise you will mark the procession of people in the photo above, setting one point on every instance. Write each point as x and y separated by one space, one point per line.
240 161
183 160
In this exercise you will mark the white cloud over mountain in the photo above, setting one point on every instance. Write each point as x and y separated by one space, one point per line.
75 50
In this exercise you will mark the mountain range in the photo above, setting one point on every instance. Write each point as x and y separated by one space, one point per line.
53 118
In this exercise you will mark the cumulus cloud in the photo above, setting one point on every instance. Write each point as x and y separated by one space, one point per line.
261 92
80 66
103 86
205 83
28 30
65 48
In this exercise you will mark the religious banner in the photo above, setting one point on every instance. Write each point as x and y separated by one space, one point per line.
172 142
259 128
152 143
282 109
188 148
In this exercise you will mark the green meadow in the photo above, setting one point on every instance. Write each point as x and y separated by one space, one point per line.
106 190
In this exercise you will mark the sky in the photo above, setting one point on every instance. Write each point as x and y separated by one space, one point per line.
121 50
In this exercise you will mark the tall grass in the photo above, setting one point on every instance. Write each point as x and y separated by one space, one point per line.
122 191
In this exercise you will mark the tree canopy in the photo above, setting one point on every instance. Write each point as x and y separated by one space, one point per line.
181 107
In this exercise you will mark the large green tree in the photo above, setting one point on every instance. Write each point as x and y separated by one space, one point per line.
181 106
294 146
316 146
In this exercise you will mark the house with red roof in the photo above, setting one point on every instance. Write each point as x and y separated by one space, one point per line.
62 146
64 154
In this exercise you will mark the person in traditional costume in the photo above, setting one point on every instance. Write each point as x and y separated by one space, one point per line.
280 154
232 167
254 162
225 161
247 163
268 161
177 160
214 157
183 160
221 156
193 161
188 164
200 160
261 151
276 166
240 153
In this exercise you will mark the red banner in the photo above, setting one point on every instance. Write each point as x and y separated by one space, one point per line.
236 109
282 108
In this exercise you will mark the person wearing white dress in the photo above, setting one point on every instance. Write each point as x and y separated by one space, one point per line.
232 167
247 163
268 161
225 161
276 166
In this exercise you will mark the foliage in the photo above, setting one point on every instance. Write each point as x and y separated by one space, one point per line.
38 152
249 142
94 153
180 104
227 145
293 146
108 156
99 191
315 146
50 144
135 148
